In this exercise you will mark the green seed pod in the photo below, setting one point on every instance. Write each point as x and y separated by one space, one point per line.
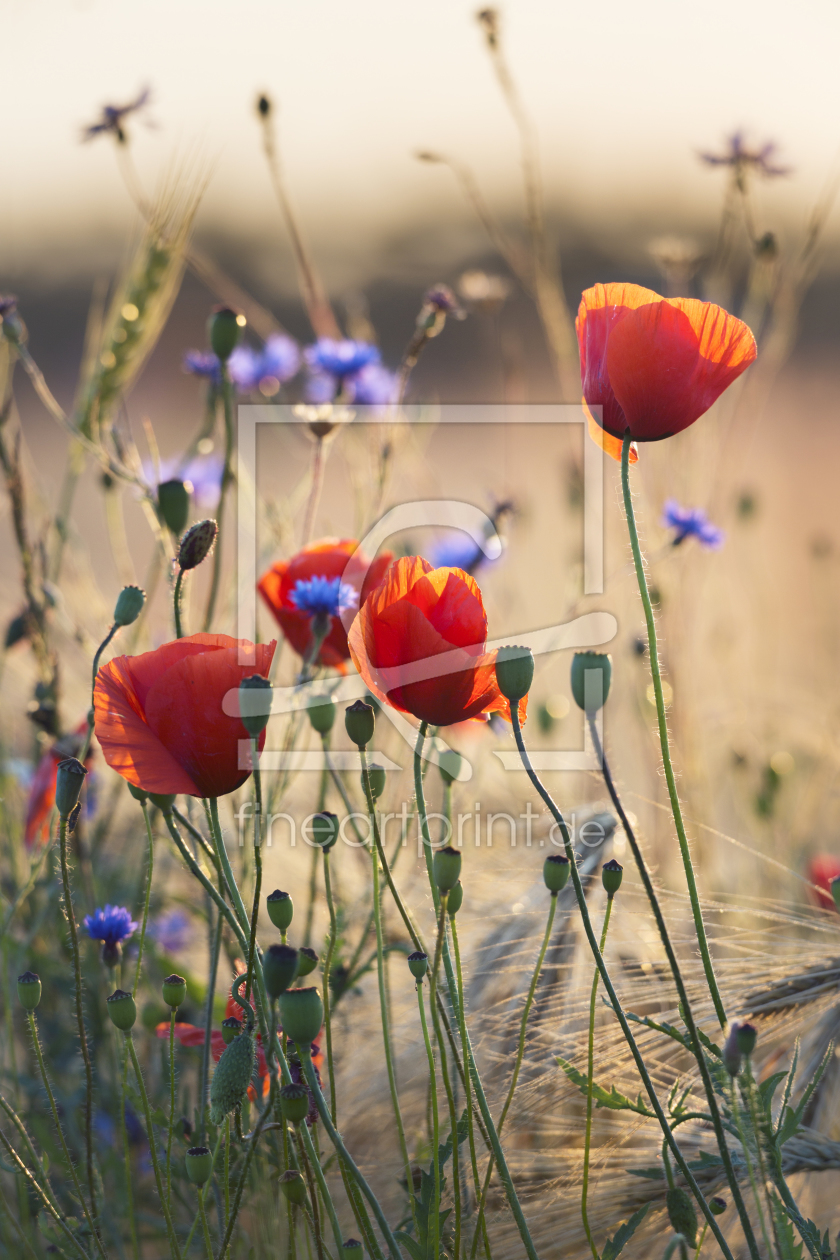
163 802
322 711
280 909
418 964
255 704
456 898
280 964
232 1077
514 672
746 1036
611 875
70 775
224 331
376 777
137 793
29 990
324 830
121 1010
591 674
301 1014
231 1027
681 1214
129 605
353 1246
359 721
174 505
174 990
294 1103
556 871
446 867
717 1205
449 765
307 961
197 544
293 1186
199 1164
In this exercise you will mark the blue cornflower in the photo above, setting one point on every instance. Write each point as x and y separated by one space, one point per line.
8 304
340 358
113 116
111 926
740 157
266 369
323 596
691 523
171 930
203 363
374 385
456 550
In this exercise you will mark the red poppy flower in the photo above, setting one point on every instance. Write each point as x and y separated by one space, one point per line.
822 869
419 643
328 559
653 364
42 789
159 717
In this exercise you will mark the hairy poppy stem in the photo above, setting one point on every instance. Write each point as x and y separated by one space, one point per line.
177 600
172 1017
255 909
144 1098
331 939
95 670
590 1072
435 1122
444 1072
227 479
481 1224
664 741
145 808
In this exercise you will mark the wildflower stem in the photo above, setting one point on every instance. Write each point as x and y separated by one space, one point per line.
656 675
316 483
331 939
736 1111
129 1178
172 1018
590 1069
227 478
701 1240
227 1170
80 1014
144 806
435 1233
481 1224
313 1198
255 909
212 807
616 1005
95 670
313 870
177 599
205 1228
215 950
444 1071
144 1097
202 1193
45 1198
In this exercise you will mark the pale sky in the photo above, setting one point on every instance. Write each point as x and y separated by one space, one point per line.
623 96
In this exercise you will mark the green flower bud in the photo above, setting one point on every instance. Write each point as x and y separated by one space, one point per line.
197 544
611 874
746 1036
231 1027
322 711
174 505
591 674
352 1245
280 964
514 672
232 1077
556 871
163 802
449 765
121 1010
359 721
70 775
199 1164
174 990
280 909
325 830
129 605
717 1205
307 961
681 1214
29 990
224 331
294 1103
137 793
293 1186
418 964
376 778
731 1053
301 1014
456 897
255 704
446 868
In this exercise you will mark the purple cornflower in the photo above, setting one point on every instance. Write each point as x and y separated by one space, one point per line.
203 363
266 369
740 158
340 358
441 298
203 476
456 550
373 385
113 116
111 926
323 596
8 304
171 930
691 523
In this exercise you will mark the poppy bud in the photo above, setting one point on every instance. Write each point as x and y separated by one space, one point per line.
591 674
232 1077
352 1245
359 722
70 775
280 964
224 331
231 1028
514 672
418 964
325 830
321 711
293 1186
446 867
731 1053
197 544
129 605
137 793
681 1214
263 106
174 505
307 961
449 765
162 802
280 909
255 704
199 1164
29 990
746 1036
556 870
717 1205
174 990
121 1010
294 1103
376 778
456 897
301 1014
611 873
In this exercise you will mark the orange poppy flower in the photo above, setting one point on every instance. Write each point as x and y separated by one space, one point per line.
655 364
419 643
325 559
159 716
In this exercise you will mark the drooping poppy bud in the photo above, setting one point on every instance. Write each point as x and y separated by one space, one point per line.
174 505
224 331
611 875
359 721
137 793
746 1036
307 961
280 963
301 1015
197 544
376 778
418 964
70 775
514 672
293 1186
455 900
325 830
199 1164
163 801
280 909
731 1053
556 871
121 1010
231 1027
321 711
174 990
255 704
446 867
29 990
232 1077
591 674
681 1214
294 1103
129 605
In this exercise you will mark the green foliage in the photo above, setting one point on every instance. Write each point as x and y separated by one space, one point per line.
610 1098
615 1245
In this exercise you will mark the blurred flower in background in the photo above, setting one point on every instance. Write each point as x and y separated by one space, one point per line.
171 931
112 118
267 369
691 523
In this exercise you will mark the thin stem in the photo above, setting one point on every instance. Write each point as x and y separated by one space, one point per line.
45 1198
736 1111
481 1224
313 1198
227 1170
144 1097
333 934
447 1085
204 1095
95 670
313 870
213 893
663 733
212 807
227 478
176 601
435 1123
144 806
202 1193
316 485
205 1227
172 1018
590 1070
255 908
129 1172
